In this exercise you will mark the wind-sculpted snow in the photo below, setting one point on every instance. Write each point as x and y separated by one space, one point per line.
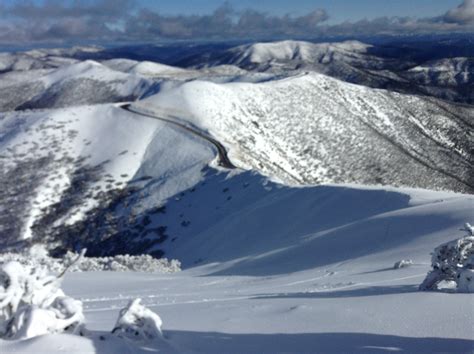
314 129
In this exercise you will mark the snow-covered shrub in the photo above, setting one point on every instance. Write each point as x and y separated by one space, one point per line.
119 263
32 303
38 252
123 263
403 263
137 322
453 261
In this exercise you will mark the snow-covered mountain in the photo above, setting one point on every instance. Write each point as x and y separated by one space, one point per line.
446 72
290 54
353 62
86 82
74 83
145 68
152 70
445 78
449 78
42 58
314 129
349 61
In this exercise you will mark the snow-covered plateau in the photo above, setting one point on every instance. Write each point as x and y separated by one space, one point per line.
297 211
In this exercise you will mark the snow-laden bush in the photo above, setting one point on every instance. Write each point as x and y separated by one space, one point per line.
32 303
453 261
123 263
119 263
137 322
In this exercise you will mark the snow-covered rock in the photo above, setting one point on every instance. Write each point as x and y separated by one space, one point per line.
403 264
136 322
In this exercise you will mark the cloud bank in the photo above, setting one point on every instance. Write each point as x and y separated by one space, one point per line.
110 20
463 14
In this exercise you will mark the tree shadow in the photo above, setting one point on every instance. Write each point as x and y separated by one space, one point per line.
359 292
378 271
212 342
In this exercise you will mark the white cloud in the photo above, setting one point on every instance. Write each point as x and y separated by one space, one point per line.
463 14
108 20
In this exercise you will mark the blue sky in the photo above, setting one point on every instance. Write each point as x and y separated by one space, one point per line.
24 21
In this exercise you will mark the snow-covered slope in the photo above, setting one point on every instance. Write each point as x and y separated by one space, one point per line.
145 68
60 168
312 129
219 73
306 270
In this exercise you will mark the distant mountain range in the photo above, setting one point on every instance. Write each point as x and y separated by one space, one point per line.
78 170
442 69
355 62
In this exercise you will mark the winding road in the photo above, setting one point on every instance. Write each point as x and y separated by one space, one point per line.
224 160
